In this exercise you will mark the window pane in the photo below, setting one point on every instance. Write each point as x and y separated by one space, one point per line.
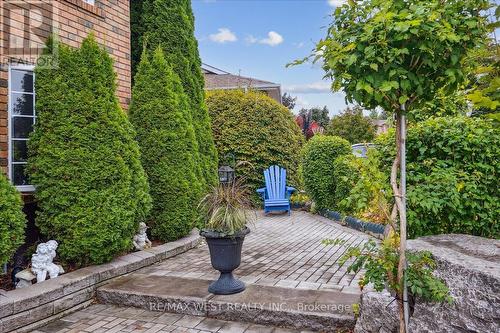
22 104
18 174
19 150
21 81
22 127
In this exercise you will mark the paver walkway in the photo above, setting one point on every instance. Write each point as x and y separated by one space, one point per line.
112 319
281 250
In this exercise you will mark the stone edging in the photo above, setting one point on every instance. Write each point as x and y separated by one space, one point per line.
25 309
373 229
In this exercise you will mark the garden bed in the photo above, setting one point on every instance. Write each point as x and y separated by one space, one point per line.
374 229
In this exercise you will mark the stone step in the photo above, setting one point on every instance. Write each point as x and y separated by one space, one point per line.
318 310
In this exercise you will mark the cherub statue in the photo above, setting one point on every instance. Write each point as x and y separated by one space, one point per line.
41 261
141 240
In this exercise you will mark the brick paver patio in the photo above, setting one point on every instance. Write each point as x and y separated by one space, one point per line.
281 250
112 319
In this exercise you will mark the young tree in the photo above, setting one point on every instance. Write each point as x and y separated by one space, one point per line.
289 101
160 113
84 161
170 24
396 55
352 126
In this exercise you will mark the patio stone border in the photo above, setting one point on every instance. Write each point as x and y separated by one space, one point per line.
373 229
28 308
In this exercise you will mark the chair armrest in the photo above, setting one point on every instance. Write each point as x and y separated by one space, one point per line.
261 190
290 189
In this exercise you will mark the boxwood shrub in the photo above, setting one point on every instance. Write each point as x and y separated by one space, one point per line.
318 158
453 176
257 130
160 113
12 220
84 161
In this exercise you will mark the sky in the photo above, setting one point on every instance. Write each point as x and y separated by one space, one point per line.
257 38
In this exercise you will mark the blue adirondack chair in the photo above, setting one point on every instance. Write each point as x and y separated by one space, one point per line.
276 194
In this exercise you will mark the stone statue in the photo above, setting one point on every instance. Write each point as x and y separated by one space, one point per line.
141 240
41 261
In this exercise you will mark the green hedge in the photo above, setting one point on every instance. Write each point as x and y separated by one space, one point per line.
346 175
160 113
12 220
84 161
319 154
170 24
453 176
256 129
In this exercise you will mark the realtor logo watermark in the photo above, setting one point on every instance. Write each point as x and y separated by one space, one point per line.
216 307
25 27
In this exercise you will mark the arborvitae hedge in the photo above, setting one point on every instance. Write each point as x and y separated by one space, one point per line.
170 24
85 163
453 176
12 220
160 113
256 129
319 155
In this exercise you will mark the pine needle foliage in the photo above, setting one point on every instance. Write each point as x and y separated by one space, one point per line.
84 161
12 220
160 113
170 24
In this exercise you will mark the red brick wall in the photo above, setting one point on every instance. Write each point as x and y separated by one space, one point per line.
74 19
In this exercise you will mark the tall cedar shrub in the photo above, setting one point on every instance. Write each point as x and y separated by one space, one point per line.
12 220
84 161
453 176
170 24
160 113
318 158
255 129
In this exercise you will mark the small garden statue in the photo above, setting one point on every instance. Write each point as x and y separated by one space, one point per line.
141 240
41 261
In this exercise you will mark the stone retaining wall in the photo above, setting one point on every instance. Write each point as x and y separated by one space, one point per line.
470 267
25 309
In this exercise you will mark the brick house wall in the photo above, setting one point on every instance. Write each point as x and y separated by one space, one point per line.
109 20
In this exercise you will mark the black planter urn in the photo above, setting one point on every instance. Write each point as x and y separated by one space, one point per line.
225 254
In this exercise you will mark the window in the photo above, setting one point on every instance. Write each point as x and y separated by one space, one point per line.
90 2
21 120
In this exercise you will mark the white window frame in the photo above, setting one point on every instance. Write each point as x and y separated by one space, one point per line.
90 2
10 125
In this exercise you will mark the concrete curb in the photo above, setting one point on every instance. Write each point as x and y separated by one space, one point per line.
33 306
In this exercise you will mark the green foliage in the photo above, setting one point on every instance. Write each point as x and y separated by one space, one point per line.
317 114
381 265
346 175
256 130
391 52
170 24
371 196
160 113
91 188
453 176
12 220
226 208
352 126
318 156
443 104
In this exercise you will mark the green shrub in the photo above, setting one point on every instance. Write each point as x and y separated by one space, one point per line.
319 154
160 113
91 188
351 125
12 220
170 24
370 197
453 176
255 129
346 174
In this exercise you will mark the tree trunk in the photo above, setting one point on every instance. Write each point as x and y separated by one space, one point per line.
400 203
